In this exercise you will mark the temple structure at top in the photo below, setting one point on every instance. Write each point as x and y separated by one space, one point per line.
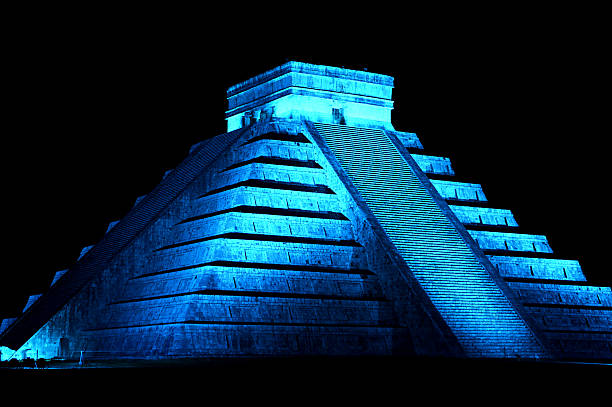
313 227
324 94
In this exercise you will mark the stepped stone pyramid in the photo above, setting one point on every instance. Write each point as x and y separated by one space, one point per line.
313 227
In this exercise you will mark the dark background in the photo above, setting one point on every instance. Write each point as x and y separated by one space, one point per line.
95 116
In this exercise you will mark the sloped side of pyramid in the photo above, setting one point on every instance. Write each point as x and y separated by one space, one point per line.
573 316
263 254
81 294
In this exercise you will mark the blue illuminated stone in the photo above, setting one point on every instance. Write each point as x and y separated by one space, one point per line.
313 227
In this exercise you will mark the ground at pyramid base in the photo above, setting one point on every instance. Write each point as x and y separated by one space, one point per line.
313 228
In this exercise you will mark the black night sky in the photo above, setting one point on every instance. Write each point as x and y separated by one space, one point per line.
95 119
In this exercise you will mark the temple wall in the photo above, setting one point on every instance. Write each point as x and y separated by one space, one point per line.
434 165
462 191
474 215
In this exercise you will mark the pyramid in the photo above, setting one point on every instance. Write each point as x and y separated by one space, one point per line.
313 227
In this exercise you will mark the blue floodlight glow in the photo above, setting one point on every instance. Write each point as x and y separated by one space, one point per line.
313 227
